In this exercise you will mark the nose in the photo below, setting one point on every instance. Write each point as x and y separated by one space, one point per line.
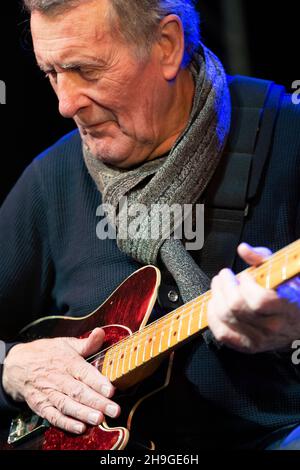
70 94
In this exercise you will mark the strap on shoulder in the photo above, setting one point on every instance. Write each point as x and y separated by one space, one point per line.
255 105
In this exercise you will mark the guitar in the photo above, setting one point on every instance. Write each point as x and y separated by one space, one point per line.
136 357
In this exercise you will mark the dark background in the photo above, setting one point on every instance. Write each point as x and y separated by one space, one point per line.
256 37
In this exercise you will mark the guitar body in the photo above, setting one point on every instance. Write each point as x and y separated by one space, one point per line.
133 355
125 312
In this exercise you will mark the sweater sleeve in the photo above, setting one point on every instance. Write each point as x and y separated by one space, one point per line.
26 271
7 404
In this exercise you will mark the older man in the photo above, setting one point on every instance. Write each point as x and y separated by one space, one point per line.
152 107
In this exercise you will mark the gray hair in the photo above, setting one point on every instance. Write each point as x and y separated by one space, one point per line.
139 19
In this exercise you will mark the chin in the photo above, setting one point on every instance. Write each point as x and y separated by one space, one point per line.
110 152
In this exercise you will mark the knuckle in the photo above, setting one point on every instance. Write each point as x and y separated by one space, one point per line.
83 372
274 326
36 402
76 412
46 411
95 403
53 419
67 426
60 403
77 393
259 303
235 304
221 335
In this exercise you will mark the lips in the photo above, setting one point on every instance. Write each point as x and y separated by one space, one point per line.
91 126
95 130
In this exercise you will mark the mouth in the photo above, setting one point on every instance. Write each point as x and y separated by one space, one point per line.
93 127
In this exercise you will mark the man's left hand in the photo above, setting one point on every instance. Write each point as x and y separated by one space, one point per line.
249 318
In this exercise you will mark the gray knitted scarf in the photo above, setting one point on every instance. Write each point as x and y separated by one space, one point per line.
180 178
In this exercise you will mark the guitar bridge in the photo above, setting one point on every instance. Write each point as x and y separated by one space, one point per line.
24 426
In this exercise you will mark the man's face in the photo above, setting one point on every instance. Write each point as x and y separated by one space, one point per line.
118 102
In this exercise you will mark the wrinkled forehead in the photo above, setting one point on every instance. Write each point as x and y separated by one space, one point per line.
85 26
86 21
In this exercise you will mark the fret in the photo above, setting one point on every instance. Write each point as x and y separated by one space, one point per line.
158 338
269 272
190 318
149 345
284 267
120 359
180 327
130 356
107 364
201 316
112 366
194 318
153 342
170 333
184 323
161 340
145 349
125 357
137 348
104 366
293 265
173 334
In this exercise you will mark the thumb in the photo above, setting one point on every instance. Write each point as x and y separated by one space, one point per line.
253 256
90 345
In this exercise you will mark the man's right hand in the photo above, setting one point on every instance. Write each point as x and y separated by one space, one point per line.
52 376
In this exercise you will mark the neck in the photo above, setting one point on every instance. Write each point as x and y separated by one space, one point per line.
121 362
179 112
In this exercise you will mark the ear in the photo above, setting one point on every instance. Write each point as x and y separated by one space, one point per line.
171 43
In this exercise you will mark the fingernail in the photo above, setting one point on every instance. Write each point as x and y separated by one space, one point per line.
94 418
106 390
78 428
111 410
245 245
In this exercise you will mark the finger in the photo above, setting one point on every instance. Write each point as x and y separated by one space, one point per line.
239 335
89 375
90 401
71 408
40 404
253 256
261 301
218 301
227 298
88 346
232 294
225 334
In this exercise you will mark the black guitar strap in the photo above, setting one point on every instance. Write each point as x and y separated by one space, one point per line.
255 106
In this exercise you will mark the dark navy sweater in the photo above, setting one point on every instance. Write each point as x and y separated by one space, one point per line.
53 263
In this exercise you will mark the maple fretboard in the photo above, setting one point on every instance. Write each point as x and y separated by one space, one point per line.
172 330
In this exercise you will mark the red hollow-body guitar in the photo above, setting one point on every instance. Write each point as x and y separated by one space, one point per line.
136 357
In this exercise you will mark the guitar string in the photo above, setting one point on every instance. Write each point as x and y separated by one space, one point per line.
185 310
195 302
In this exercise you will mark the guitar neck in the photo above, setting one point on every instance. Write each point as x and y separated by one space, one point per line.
174 329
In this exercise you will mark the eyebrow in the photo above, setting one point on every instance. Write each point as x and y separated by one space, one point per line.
72 65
